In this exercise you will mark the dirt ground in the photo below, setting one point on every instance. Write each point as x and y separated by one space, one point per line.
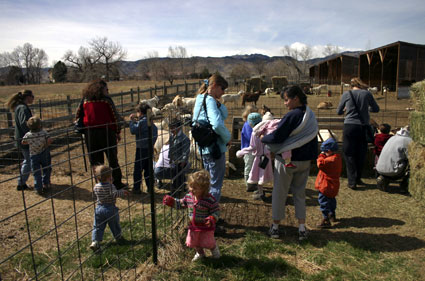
393 220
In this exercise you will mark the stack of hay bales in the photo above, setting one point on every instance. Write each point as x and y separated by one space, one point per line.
417 147
278 82
255 84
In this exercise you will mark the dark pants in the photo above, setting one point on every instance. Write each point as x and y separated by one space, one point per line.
101 141
327 205
354 148
175 173
141 164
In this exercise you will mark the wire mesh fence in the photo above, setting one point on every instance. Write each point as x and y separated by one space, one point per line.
47 237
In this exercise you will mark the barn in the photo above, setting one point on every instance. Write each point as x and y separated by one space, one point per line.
396 66
336 70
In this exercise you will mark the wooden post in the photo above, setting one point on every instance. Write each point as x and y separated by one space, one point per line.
131 96
155 91
39 109
138 94
185 88
164 91
150 92
68 102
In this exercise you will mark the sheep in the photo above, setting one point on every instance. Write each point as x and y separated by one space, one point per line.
373 90
153 102
180 101
250 97
316 90
231 97
268 91
241 92
324 105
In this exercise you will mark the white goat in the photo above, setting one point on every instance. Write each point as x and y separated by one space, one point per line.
241 92
317 90
153 102
231 97
268 91
373 90
156 111
187 103
169 107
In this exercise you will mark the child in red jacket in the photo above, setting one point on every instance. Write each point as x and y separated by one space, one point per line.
381 139
327 182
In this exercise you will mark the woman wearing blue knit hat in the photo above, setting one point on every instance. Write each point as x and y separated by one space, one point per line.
327 182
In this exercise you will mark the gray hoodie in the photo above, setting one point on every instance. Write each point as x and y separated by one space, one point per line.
393 159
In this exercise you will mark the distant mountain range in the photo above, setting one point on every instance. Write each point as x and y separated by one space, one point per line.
224 65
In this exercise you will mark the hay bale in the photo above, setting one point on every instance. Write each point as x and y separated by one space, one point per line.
417 126
255 84
278 82
417 172
417 92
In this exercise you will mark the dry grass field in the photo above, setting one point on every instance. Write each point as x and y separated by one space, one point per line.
376 231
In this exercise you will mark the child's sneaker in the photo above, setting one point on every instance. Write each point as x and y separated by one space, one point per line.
332 218
274 232
198 256
94 246
302 235
215 252
290 165
258 196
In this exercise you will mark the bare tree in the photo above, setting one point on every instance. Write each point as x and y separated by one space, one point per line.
306 53
330 50
293 60
178 54
108 52
151 65
259 66
27 58
240 72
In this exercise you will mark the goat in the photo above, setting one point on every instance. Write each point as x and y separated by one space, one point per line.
316 90
231 97
153 102
250 97
169 107
180 101
265 109
373 90
268 91
156 111
324 105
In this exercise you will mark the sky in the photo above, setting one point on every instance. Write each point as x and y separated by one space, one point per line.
212 28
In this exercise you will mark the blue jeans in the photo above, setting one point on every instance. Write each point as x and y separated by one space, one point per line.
106 214
327 205
141 164
41 162
25 167
216 168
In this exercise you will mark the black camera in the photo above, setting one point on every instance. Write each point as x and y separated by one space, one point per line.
263 162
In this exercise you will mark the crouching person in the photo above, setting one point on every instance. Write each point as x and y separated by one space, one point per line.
393 163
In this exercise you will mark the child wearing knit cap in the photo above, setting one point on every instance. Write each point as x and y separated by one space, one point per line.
267 126
327 182
257 174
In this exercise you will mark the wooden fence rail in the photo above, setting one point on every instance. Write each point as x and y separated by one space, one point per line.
59 114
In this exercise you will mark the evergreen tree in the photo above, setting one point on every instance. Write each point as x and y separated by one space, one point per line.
59 72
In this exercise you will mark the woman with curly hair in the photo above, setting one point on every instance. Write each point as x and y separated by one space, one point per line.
102 122
19 103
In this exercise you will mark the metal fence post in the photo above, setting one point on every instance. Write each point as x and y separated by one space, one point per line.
39 109
151 188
